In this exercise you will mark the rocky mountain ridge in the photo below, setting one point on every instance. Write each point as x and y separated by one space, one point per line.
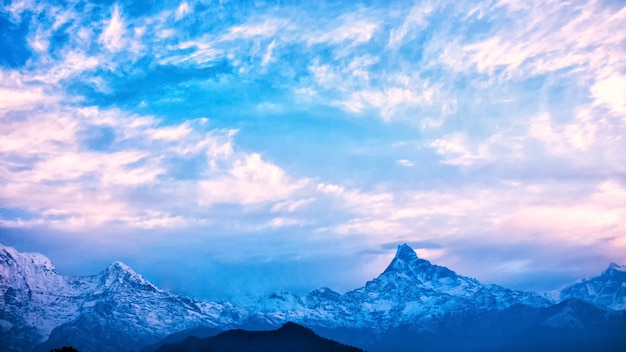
40 305
410 290
607 290
118 309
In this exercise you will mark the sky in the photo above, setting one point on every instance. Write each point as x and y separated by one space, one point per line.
228 149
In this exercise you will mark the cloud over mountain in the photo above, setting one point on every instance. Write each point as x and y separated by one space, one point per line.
326 129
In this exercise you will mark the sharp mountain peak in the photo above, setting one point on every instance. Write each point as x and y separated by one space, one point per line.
407 261
615 267
405 252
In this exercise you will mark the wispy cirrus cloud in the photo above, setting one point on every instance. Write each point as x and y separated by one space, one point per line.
478 125
416 19
113 35
265 29
183 10
550 36
354 31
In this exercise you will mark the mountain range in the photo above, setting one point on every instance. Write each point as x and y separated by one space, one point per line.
412 301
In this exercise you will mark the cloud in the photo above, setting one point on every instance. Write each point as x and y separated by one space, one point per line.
284 222
456 150
268 54
609 92
389 100
18 222
112 36
266 29
177 118
292 205
502 213
391 95
17 8
74 63
416 19
543 129
17 98
355 31
250 180
203 51
182 10
548 37
50 153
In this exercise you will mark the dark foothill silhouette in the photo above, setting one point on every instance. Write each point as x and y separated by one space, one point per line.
290 337
64 349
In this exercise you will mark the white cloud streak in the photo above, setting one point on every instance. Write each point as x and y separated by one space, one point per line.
49 169
113 35
182 10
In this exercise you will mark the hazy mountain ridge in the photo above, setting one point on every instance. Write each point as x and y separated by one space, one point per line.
118 309
572 325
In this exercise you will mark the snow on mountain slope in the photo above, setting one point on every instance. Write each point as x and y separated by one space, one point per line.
37 302
124 296
607 290
34 295
119 309
125 311
411 290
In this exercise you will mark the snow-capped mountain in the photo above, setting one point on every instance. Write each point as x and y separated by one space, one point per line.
410 291
35 298
118 309
607 290
117 306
